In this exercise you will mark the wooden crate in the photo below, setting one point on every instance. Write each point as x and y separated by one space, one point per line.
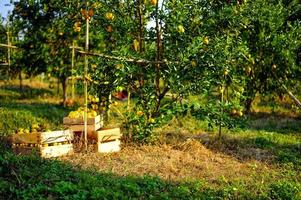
43 137
77 125
107 140
80 121
108 147
45 152
44 144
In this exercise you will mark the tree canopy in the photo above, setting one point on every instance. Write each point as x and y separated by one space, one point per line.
225 51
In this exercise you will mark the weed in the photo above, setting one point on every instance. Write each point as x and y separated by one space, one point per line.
285 190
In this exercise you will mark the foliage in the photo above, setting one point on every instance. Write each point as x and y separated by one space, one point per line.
3 40
224 51
272 45
285 190
27 177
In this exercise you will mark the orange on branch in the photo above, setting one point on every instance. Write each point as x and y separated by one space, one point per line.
248 70
233 112
193 63
136 45
274 66
181 29
153 2
226 72
206 40
110 16
110 29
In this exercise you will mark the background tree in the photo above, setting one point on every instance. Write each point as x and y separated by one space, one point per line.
3 51
47 35
272 42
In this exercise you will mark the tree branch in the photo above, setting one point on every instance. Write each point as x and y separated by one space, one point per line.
133 60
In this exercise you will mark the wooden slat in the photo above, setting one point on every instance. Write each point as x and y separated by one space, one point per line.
104 134
56 151
24 150
133 60
108 147
44 137
31 138
45 152
79 121
56 136
8 46
80 128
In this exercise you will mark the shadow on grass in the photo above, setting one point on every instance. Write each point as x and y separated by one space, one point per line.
28 177
51 111
263 148
27 92
271 122
23 115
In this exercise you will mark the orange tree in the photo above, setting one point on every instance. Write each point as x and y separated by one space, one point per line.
178 53
270 31
3 51
47 34
224 51
183 52
9 55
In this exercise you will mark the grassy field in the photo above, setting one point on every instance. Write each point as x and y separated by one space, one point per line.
260 161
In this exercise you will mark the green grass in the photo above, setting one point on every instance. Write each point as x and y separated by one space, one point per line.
272 140
21 115
284 149
26 177
21 111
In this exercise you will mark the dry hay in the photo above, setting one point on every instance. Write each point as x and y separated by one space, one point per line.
187 161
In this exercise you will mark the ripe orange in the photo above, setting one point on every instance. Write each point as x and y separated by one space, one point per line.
274 66
180 29
240 113
233 112
193 63
139 113
110 16
153 2
136 45
110 29
206 40
248 70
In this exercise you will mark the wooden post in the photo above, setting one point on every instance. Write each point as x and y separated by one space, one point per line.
74 48
109 101
58 86
72 68
129 99
8 49
221 117
221 112
86 83
292 96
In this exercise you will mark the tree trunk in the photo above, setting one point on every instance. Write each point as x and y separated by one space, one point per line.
64 86
21 83
108 105
58 86
129 99
250 92
248 104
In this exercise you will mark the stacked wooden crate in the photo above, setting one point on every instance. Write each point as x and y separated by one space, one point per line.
77 124
107 140
45 144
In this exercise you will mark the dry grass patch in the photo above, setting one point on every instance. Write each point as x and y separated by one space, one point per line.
187 161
